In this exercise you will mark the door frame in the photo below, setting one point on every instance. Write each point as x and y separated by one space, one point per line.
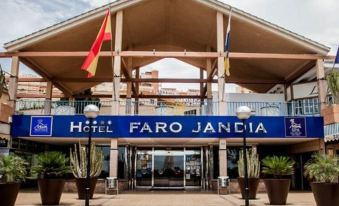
184 178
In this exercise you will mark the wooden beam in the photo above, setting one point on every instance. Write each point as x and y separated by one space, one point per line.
117 67
137 91
13 82
220 64
48 98
321 81
127 74
24 95
153 80
169 54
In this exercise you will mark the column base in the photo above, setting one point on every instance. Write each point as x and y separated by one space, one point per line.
223 191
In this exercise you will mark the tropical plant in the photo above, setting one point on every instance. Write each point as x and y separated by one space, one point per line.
278 166
51 165
333 84
323 168
79 161
12 168
253 163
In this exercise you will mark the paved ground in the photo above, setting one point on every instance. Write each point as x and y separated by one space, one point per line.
166 198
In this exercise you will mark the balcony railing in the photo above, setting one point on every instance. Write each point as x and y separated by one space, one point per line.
153 107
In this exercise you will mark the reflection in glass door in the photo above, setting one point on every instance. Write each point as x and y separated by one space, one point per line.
168 168
143 168
193 167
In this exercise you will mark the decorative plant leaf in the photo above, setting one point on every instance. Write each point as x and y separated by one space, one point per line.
278 166
51 165
333 84
253 163
323 168
12 168
79 162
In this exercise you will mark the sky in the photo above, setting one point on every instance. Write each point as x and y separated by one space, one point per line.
314 19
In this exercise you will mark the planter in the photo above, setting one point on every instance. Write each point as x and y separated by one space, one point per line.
252 186
8 193
81 187
277 190
50 190
325 193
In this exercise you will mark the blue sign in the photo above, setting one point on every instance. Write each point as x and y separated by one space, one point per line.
169 126
295 127
41 126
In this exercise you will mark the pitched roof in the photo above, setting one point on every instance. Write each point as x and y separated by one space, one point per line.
121 4
169 25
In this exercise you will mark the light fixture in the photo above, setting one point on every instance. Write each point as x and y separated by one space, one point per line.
91 111
244 112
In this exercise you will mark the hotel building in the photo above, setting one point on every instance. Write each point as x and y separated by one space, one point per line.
162 138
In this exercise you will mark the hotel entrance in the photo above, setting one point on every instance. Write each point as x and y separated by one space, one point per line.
168 168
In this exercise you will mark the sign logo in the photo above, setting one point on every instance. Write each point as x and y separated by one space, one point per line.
295 127
41 126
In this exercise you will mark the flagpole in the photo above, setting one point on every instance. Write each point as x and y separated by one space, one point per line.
227 52
112 59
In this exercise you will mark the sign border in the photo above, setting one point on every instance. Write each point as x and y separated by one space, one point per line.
305 136
30 127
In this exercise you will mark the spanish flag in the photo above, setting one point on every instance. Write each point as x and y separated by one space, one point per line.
227 65
105 34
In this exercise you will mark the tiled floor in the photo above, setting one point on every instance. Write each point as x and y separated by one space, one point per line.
166 198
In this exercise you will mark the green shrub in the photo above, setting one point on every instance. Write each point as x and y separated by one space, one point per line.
278 166
51 165
12 168
322 168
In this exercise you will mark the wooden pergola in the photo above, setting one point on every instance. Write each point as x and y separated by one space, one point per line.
193 31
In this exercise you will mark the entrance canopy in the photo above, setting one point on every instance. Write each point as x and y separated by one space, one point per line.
173 26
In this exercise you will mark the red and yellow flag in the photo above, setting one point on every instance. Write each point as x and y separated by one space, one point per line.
105 34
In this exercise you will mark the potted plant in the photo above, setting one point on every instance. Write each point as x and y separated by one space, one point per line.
331 112
277 187
79 168
50 169
324 170
253 168
12 171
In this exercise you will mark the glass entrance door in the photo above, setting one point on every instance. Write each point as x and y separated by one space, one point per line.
143 168
168 168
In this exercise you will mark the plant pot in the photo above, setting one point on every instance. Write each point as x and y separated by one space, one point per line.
8 193
252 187
325 193
50 190
81 186
277 190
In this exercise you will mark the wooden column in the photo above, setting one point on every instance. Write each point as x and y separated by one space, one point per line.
13 81
48 98
113 166
137 86
222 163
209 87
220 64
202 99
321 83
129 87
117 63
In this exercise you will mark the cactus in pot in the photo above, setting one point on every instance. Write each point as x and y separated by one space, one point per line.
253 169
79 165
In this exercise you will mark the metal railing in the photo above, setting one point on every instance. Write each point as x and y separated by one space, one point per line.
154 107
